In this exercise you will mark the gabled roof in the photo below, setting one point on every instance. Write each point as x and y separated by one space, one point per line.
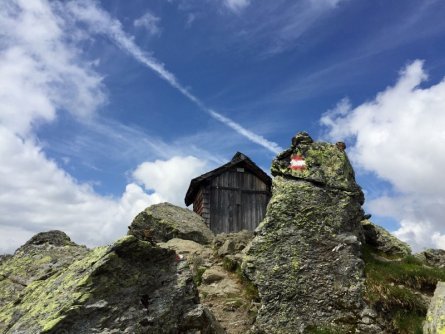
238 160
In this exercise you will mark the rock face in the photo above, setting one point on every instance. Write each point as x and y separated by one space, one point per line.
131 286
162 222
305 259
435 320
383 241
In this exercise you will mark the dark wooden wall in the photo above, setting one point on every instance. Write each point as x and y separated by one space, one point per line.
236 200
201 205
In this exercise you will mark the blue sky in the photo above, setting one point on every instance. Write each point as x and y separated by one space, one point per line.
110 106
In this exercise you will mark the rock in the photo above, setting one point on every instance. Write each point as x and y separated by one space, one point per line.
201 317
227 248
305 259
213 275
433 257
232 243
162 222
42 257
383 241
54 237
131 286
182 246
435 319
317 162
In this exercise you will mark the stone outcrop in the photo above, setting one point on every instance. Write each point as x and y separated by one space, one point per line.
162 222
305 259
131 286
433 257
384 242
435 319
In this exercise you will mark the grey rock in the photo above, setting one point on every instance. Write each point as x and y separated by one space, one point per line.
232 243
165 221
383 241
54 237
433 257
227 248
200 318
305 259
213 275
131 286
435 319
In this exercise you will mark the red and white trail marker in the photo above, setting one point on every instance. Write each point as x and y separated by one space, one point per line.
297 162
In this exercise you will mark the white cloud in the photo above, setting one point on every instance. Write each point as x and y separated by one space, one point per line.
38 195
236 5
42 74
399 136
149 22
170 178
37 61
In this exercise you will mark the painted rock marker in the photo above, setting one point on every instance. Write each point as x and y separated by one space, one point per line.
297 162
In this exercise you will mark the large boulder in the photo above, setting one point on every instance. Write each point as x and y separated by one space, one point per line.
165 221
435 319
131 286
384 242
306 257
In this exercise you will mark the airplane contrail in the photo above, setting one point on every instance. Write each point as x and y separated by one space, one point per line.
99 21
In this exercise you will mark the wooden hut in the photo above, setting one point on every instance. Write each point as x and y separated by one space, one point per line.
232 197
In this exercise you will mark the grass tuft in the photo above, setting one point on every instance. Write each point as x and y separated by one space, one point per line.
395 288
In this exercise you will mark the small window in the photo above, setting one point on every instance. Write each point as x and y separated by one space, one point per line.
240 170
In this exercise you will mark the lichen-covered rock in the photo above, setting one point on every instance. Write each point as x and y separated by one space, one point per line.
435 319
165 221
320 163
433 257
305 259
41 257
131 286
54 237
384 242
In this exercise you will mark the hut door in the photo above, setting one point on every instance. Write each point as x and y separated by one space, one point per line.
224 209
238 201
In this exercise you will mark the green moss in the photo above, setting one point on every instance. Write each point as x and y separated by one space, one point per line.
197 275
393 289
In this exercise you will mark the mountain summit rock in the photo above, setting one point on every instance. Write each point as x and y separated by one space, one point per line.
305 259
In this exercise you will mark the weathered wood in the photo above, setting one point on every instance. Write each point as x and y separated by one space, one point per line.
238 201
232 197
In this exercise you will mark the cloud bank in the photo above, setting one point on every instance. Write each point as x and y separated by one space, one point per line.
399 136
43 74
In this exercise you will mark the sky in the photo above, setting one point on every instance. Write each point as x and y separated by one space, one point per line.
108 107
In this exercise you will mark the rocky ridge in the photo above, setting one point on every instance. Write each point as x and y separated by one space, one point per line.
316 264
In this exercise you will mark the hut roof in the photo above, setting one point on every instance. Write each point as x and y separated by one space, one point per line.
238 160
